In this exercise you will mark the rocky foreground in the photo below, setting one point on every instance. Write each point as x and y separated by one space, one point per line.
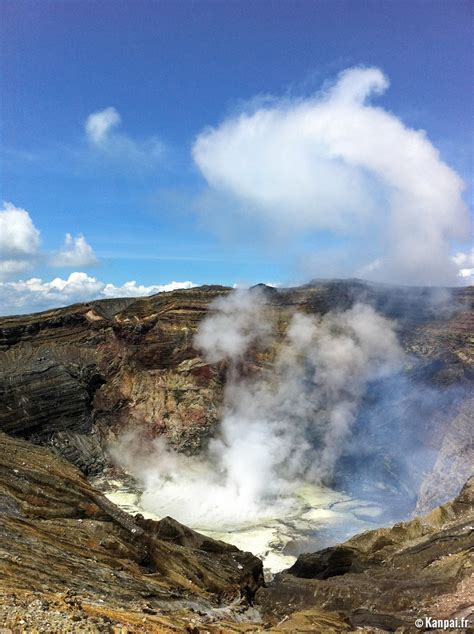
71 561
82 560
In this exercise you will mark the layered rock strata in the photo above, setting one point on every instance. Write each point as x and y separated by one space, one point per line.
75 377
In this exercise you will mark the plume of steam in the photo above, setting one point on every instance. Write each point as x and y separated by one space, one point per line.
277 431
235 325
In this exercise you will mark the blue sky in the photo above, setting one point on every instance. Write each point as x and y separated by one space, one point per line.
147 207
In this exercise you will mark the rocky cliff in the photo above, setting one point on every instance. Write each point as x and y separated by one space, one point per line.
72 378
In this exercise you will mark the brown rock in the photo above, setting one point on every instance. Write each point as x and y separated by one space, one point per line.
61 537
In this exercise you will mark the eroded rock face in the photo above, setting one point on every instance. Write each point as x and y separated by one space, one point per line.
73 378
454 461
62 541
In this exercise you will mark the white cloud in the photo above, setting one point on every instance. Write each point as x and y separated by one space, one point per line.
35 294
10 268
132 289
75 252
18 235
335 162
99 124
19 240
100 128
465 264
20 245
